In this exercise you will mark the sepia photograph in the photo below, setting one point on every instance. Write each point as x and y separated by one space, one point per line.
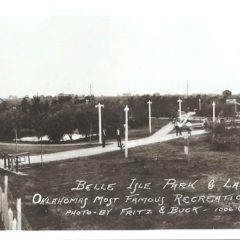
119 119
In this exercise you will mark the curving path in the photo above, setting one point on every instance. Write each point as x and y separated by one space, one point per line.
161 135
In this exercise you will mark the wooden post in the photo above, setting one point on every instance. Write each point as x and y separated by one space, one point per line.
90 131
7 214
126 109
5 211
14 224
16 141
6 186
6 200
99 106
16 160
5 160
0 201
29 159
41 154
9 162
10 219
19 214
2 204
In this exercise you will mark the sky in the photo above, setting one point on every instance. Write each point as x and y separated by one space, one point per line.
119 46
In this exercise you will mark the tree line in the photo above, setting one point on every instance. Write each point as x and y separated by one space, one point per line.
66 114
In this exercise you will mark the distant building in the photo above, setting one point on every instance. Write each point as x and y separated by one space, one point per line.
126 94
236 96
42 97
12 97
234 99
48 98
63 95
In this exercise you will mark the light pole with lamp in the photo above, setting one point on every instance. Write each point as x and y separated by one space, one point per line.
100 106
180 108
150 116
214 115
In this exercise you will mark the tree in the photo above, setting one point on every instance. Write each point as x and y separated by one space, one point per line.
64 99
67 116
6 122
86 119
54 126
3 105
112 114
25 105
35 106
226 93
228 110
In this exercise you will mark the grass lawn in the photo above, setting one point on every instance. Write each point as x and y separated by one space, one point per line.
35 149
152 163
157 123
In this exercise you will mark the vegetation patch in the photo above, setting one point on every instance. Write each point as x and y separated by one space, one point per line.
151 163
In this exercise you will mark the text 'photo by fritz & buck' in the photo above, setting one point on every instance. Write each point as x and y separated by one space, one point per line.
119 115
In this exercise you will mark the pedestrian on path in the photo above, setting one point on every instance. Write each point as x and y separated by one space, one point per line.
104 137
178 127
119 138
161 135
189 127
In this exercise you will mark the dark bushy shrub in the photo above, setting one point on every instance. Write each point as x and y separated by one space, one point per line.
225 139
27 133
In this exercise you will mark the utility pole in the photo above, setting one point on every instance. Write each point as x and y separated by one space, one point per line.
150 117
180 108
214 116
100 106
126 109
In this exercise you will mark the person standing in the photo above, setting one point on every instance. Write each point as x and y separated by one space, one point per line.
104 137
179 128
189 127
176 127
119 138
